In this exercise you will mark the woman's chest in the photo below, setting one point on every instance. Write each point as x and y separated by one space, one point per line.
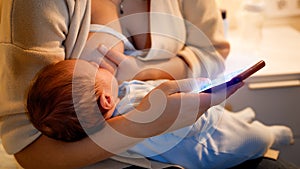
155 25
135 22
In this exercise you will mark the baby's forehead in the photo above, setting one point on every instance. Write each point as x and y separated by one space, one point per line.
76 68
78 64
73 62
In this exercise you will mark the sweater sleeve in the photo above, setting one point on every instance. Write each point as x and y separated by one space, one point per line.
34 34
206 46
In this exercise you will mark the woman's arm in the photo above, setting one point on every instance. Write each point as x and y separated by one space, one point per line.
174 68
48 153
164 109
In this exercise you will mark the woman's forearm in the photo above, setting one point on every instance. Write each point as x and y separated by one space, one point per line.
118 135
49 153
164 109
174 68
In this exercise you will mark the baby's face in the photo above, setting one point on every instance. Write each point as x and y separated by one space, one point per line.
110 87
105 81
110 82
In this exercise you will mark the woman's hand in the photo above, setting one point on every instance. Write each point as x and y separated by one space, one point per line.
122 66
173 105
128 67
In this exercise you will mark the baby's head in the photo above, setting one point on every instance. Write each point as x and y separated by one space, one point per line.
71 98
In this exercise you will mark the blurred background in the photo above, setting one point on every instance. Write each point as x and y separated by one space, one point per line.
276 11
267 30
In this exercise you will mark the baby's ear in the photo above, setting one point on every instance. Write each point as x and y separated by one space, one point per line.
106 101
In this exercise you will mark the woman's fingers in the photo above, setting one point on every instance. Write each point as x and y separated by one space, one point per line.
108 65
232 89
126 67
189 88
114 56
219 96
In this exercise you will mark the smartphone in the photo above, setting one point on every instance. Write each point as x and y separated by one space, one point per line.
232 78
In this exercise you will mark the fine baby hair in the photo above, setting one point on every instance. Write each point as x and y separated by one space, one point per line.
62 100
